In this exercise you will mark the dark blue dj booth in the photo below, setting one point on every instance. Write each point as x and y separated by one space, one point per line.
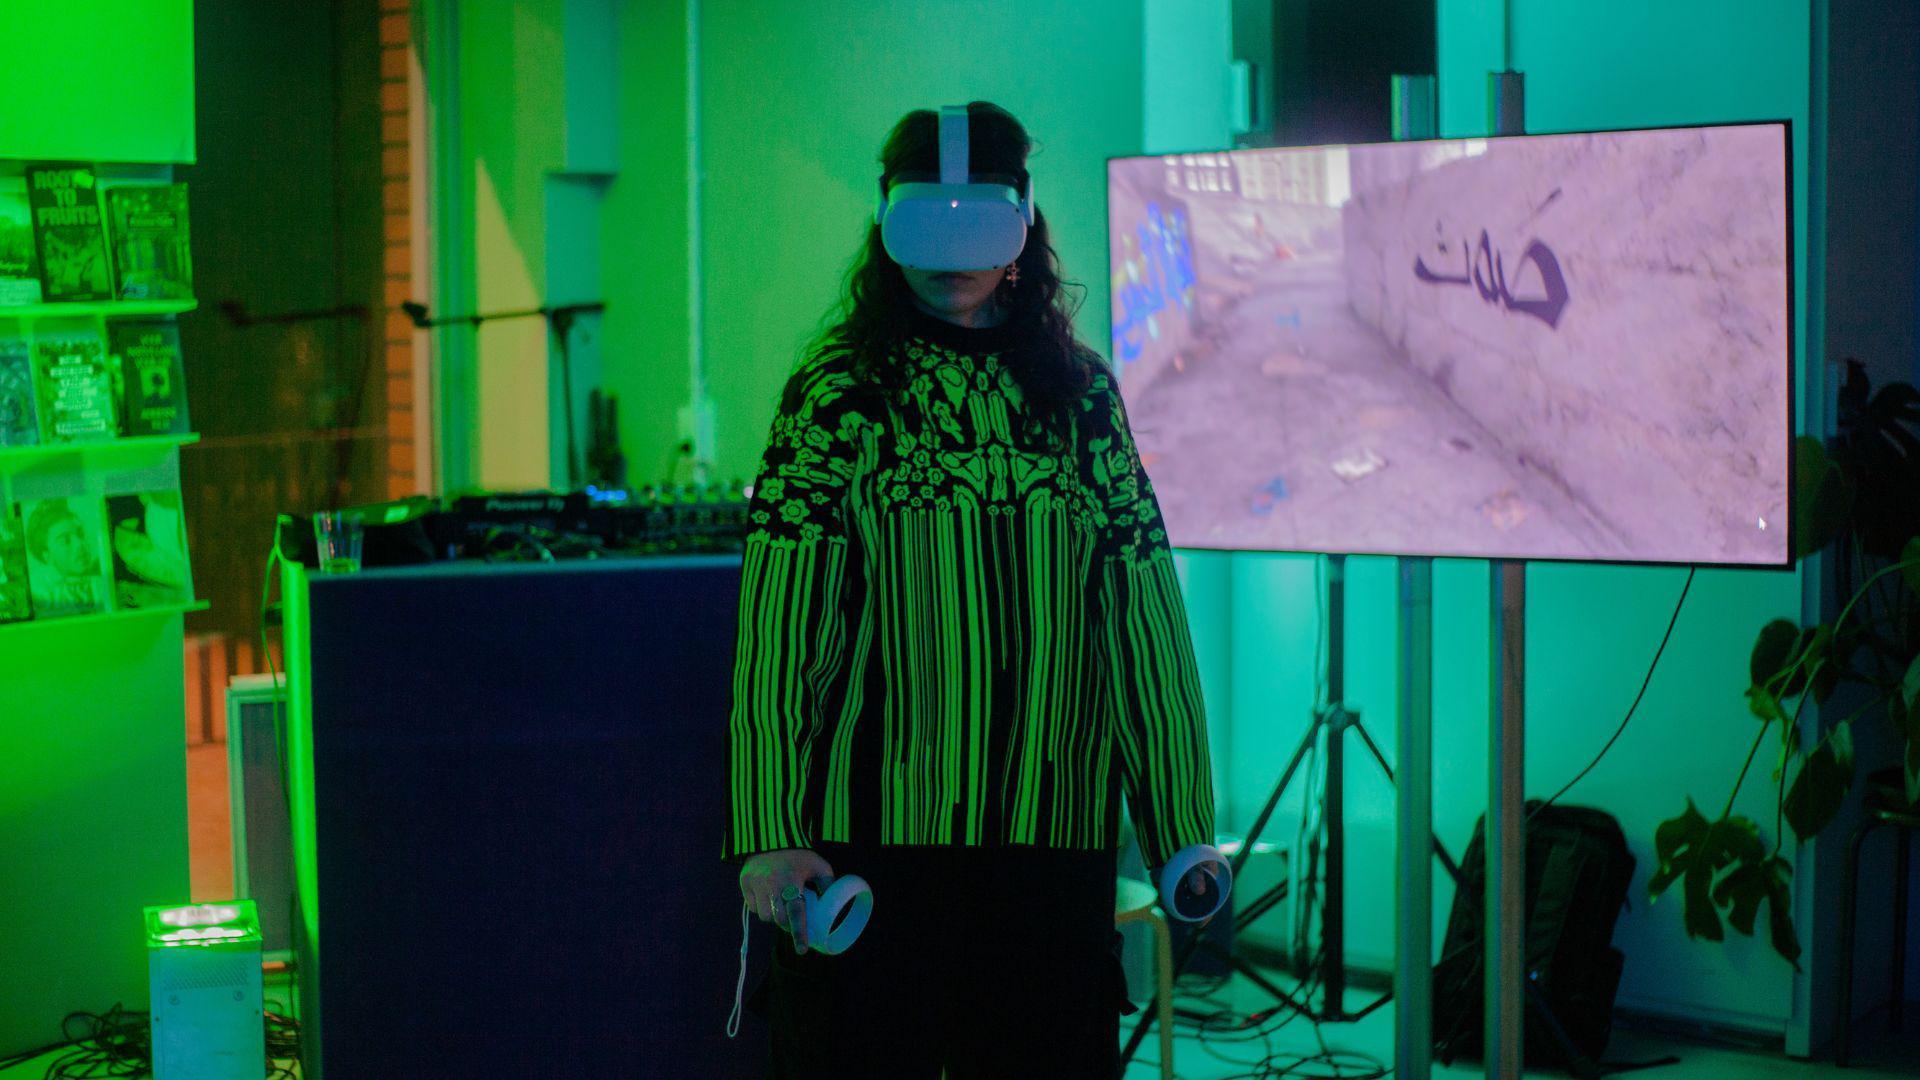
518 782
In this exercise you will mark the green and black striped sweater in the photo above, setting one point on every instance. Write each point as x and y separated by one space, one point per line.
950 637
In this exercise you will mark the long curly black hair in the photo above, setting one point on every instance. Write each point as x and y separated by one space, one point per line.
875 314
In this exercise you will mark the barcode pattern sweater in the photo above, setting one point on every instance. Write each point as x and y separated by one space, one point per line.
950 634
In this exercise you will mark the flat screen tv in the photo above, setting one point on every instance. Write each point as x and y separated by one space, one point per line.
1567 347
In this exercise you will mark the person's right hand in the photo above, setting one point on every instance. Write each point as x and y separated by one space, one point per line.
764 884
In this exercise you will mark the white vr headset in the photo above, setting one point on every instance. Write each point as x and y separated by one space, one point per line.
963 222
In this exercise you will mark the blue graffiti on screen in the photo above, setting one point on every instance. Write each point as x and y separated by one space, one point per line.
1486 272
1166 249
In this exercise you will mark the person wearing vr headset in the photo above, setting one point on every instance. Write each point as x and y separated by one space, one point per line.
961 641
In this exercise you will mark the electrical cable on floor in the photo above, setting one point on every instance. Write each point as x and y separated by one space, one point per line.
283 1043
113 1043
118 1043
8 1061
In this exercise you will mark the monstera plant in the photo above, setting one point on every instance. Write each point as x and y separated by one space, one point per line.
1859 499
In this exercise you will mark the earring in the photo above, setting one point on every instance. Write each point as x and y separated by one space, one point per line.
1013 275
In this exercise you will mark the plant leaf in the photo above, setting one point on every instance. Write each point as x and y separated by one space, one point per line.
1693 851
1821 785
1762 704
1701 917
1780 912
1738 841
1825 497
1808 653
1911 572
1766 878
1913 770
1675 841
1772 650
1910 686
1741 892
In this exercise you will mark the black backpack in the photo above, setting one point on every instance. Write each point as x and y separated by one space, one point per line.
1578 871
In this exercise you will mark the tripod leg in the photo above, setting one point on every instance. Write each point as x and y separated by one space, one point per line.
1237 863
1246 914
1279 789
1333 912
1372 748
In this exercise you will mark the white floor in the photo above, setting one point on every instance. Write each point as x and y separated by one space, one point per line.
1877 1056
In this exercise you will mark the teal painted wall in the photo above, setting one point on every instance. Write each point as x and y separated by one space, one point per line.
1189 44
1183 92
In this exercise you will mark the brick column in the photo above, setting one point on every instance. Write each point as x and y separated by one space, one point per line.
396 47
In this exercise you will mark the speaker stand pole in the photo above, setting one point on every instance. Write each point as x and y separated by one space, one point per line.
1414 117
1333 911
1506 744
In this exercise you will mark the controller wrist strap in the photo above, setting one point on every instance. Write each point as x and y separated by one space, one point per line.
740 984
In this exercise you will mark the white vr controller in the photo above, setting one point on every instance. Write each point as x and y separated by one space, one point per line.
835 917
837 914
1177 897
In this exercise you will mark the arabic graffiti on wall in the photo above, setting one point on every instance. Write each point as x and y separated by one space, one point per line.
1486 272
1155 274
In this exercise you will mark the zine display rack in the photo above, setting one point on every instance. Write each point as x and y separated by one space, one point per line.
95 781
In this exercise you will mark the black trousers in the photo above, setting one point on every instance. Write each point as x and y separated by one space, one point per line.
982 962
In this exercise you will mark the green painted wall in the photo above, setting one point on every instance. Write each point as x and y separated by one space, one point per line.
795 102
511 97
644 254
97 80
93 814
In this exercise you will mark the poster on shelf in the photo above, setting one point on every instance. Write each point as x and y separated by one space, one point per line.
19 262
151 260
149 543
19 415
16 601
69 232
65 572
149 380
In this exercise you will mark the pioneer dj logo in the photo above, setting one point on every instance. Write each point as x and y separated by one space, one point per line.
550 504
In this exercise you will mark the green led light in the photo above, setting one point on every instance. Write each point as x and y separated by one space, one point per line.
227 922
